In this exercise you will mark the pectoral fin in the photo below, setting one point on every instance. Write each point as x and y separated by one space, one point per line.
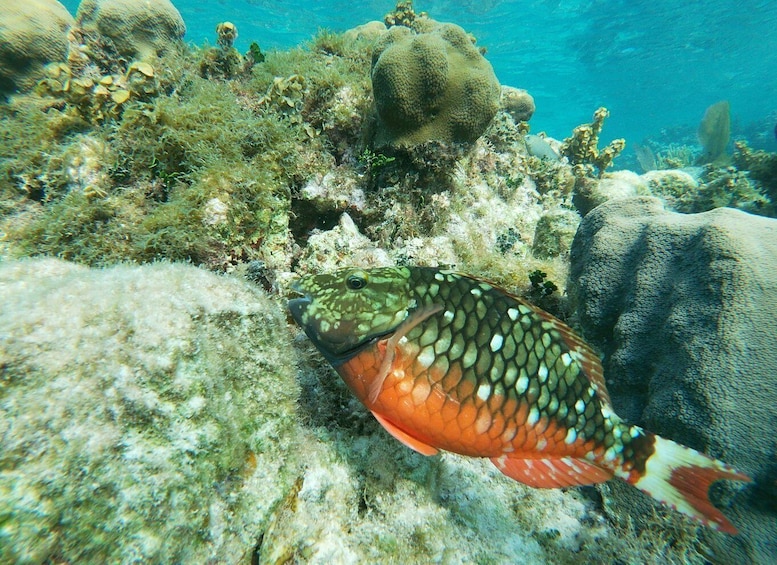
407 439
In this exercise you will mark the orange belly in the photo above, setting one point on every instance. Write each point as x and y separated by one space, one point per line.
434 405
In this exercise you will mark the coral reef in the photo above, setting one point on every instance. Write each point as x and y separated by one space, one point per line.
289 170
134 30
761 167
33 33
97 100
403 15
684 308
432 85
147 414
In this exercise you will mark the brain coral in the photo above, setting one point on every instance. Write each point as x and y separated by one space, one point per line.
32 33
138 28
683 308
431 86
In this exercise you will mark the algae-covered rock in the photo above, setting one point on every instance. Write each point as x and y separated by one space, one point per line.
137 28
148 414
518 103
683 308
431 86
32 34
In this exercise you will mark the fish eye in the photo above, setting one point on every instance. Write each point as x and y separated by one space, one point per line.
356 282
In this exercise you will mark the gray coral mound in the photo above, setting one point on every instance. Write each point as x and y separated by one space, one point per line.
146 414
684 309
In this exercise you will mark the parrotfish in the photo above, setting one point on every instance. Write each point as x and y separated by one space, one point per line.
448 361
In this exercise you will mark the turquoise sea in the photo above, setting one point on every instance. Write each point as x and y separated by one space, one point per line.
655 64
446 281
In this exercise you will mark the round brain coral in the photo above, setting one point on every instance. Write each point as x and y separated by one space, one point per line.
431 86
32 33
138 29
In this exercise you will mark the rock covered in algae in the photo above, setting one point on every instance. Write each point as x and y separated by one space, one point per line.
518 103
683 307
138 29
433 85
148 414
33 33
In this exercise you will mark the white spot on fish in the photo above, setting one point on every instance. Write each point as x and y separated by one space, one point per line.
483 423
447 316
566 358
571 436
522 384
475 292
579 406
542 372
512 313
324 325
439 277
542 444
484 391
496 342
426 357
534 416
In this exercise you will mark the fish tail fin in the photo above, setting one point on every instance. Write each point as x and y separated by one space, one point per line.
680 477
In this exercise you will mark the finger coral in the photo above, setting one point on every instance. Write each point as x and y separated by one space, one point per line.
582 148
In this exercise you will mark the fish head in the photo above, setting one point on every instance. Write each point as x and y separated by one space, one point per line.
344 311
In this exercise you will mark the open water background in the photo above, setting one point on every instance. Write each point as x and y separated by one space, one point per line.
656 64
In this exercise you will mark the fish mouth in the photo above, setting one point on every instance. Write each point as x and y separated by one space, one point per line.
336 351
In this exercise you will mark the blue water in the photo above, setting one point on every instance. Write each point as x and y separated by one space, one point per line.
656 64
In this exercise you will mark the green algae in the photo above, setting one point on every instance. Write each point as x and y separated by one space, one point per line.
202 171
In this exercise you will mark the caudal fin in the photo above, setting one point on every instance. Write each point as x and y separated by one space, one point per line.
680 477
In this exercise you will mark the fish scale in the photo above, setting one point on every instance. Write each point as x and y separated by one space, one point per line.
448 361
507 332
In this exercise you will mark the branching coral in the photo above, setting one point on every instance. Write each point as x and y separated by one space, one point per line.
582 148
403 15
223 61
